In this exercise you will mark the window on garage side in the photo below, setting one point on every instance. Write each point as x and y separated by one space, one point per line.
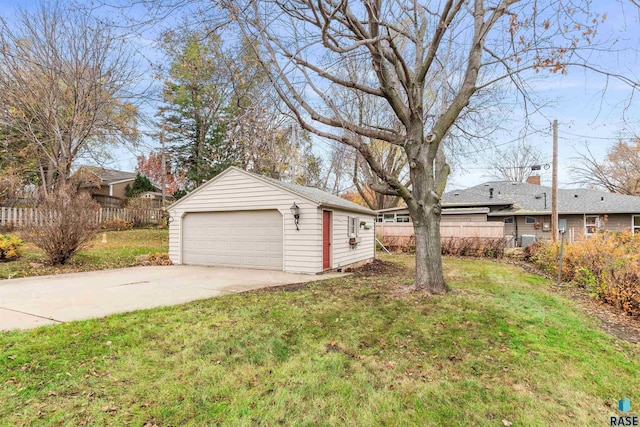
508 220
353 224
530 220
636 224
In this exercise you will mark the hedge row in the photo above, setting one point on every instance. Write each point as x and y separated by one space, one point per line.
606 264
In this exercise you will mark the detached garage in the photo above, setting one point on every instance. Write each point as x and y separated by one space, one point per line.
239 219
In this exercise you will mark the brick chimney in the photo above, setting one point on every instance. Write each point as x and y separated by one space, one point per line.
534 179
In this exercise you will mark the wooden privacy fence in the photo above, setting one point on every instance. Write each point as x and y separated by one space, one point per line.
19 217
137 216
401 235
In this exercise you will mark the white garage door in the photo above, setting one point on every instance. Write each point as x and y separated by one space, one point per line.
251 239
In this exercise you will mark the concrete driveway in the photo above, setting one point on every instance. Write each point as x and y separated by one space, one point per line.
34 301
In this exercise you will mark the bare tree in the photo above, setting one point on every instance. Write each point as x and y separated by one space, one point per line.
306 45
618 172
515 163
66 84
394 160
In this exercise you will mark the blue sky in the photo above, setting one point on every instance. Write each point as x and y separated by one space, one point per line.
585 113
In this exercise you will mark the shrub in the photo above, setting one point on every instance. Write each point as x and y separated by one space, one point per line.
65 222
474 246
116 224
606 264
10 247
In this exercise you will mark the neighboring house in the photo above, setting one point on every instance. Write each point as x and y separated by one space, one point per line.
239 219
525 210
106 186
401 215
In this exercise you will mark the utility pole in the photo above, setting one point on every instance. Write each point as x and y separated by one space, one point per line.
164 166
554 185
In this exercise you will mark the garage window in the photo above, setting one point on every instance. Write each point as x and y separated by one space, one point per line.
530 220
353 225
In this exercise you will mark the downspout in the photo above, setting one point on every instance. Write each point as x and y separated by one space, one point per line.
515 221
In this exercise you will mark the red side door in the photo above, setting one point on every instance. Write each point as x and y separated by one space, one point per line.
326 240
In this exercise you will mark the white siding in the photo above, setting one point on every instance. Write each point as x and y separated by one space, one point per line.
235 190
344 254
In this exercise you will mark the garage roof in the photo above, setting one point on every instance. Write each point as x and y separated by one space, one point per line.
321 198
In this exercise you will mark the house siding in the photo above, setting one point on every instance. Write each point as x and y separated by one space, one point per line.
614 222
102 190
575 225
531 230
237 191
342 253
119 189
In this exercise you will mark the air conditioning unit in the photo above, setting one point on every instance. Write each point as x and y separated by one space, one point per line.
527 239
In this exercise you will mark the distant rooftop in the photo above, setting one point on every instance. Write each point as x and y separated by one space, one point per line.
109 176
522 198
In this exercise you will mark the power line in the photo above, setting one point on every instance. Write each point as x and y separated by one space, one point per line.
481 150
612 138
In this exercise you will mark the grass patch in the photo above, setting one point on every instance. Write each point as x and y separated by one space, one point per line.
350 351
121 250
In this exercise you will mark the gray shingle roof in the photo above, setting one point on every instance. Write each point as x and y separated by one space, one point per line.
111 175
314 194
522 198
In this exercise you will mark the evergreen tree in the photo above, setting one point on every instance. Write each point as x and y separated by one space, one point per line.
139 186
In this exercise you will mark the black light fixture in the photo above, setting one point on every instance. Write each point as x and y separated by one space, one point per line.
295 211
540 196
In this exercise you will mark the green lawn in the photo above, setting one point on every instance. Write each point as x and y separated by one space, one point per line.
351 351
121 250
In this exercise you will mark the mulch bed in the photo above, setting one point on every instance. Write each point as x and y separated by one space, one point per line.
377 267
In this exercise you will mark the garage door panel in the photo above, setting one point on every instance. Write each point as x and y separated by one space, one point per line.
251 239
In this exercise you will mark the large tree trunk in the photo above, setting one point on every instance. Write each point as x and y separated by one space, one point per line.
429 275
428 171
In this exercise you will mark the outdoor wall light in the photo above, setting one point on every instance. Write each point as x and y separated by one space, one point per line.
540 196
295 211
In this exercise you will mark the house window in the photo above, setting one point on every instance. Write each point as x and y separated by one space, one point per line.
353 225
530 220
403 218
389 217
379 218
591 224
508 220
636 224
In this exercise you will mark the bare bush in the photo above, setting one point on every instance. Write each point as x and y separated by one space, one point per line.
64 223
10 186
474 246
